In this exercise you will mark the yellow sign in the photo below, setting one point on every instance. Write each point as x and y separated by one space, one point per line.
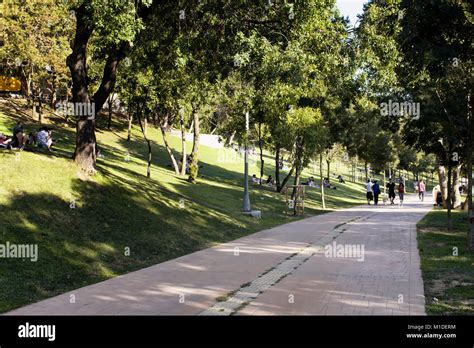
9 84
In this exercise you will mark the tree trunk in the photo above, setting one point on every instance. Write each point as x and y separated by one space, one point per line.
443 184
53 93
194 163
40 108
109 122
191 127
67 103
286 179
130 121
294 195
231 138
450 195
33 105
24 83
260 145
328 162
86 150
29 87
353 172
183 147
277 168
366 171
469 198
322 181
170 152
456 197
148 168
470 179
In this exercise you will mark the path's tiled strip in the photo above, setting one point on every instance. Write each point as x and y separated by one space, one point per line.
250 292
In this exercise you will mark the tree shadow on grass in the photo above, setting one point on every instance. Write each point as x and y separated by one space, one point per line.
88 244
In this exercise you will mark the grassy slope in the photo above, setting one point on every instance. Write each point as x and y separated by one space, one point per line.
449 279
121 209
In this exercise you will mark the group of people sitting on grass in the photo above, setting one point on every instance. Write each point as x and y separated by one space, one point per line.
269 182
311 183
20 140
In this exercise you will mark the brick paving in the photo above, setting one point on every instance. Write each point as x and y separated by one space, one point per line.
280 271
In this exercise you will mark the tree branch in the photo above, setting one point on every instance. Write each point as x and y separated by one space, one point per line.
109 76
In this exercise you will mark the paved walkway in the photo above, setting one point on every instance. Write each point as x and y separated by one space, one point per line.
286 270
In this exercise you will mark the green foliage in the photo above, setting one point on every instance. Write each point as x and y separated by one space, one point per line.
35 35
438 71
309 133
115 21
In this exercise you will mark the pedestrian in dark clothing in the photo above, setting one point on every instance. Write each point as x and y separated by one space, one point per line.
391 191
376 191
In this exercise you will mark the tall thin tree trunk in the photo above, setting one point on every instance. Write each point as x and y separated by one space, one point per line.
109 121
294 195
260 145
148 168
470 173
322 180
40 108
366 171
53 93
285 180
277 168
469 197
194 163
328 162
183 147
449 200
456 198
33 104
170 152
130 121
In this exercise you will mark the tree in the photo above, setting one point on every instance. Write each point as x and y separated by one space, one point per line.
309 132
436 42
117 23
34 44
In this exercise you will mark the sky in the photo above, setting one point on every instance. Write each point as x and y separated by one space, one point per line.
351 8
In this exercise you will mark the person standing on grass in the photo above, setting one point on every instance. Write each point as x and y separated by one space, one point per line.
391 191
421 190
401 192
369 192
376 190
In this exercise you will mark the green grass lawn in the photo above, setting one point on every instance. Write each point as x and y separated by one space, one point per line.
448 279
120 209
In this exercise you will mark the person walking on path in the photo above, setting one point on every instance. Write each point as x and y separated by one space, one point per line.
421 190
369 192
376 190
391 191
401 192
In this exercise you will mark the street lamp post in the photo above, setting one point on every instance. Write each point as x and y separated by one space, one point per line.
246 202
